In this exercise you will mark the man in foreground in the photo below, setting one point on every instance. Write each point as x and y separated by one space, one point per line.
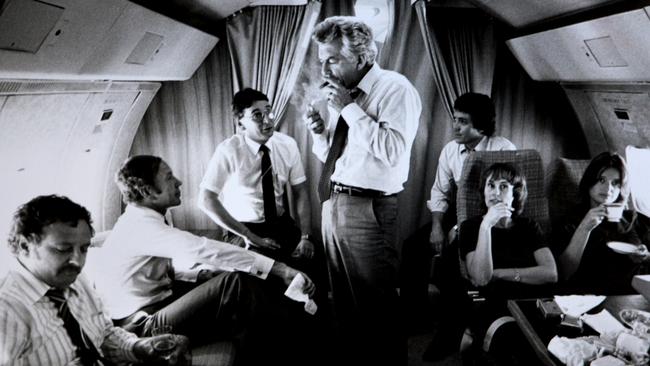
49 313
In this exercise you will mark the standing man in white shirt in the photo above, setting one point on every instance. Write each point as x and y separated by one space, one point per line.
372 118
137 261
50 313
473 127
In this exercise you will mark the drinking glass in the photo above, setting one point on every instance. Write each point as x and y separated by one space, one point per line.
164 346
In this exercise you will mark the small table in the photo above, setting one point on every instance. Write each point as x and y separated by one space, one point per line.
539 331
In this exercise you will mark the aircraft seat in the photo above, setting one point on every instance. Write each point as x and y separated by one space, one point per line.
562 179
528 162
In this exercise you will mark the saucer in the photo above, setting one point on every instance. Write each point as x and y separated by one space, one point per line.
625 248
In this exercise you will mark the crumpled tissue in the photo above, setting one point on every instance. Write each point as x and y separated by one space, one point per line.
295 292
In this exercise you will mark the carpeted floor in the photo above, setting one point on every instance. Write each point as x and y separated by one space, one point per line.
418 343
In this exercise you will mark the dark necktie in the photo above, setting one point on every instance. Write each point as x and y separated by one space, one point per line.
268 192
338 143
86 350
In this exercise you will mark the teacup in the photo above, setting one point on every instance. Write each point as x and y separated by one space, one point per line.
614 211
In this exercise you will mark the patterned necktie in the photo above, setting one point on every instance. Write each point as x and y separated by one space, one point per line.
338 143
86 350
268 192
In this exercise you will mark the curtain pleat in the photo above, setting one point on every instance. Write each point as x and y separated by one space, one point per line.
442 77
268 46
462 53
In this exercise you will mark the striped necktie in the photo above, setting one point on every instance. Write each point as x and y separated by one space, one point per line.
86 350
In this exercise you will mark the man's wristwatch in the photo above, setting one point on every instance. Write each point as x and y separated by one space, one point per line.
517 276
306 237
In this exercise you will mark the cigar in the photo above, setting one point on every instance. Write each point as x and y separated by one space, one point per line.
324 84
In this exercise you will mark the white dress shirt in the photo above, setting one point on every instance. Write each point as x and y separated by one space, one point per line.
133 266
450 166
383 122
234 173
32 333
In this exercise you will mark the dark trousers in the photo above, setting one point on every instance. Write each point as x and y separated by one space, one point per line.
283 230
286 232
416 274
359 235
230 306
312 328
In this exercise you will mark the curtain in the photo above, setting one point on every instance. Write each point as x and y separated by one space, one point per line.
183 125
268 46
464 60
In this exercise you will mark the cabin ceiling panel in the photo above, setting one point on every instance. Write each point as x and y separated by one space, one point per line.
82 23
97 40
522 13
143 45
612 48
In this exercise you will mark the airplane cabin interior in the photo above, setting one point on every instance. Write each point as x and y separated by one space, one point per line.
85 84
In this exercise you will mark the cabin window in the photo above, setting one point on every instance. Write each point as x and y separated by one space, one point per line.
374 13
637 160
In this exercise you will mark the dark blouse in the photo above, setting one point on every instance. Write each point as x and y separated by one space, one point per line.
601 270
512 247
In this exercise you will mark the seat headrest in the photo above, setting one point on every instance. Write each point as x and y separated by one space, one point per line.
562 180
528 162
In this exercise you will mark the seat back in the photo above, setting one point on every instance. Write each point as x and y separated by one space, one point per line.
528 162
470 199
562 180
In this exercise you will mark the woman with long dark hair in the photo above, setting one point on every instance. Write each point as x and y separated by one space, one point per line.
586 262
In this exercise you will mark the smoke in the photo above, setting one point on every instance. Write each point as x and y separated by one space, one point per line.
308 91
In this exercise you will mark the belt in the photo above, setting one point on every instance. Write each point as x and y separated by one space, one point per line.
358 192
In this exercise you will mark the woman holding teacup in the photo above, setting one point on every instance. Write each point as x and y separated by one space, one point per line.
506 257
586 262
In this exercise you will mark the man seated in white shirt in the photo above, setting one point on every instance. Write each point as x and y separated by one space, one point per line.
473 128
137 263
49 312
244 194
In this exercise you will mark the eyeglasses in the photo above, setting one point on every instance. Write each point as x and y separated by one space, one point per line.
258 116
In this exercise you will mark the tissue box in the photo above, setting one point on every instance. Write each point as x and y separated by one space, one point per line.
641 283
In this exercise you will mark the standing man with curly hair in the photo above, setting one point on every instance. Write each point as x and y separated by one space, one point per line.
372 118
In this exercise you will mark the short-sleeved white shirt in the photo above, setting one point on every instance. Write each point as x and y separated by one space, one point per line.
235 174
